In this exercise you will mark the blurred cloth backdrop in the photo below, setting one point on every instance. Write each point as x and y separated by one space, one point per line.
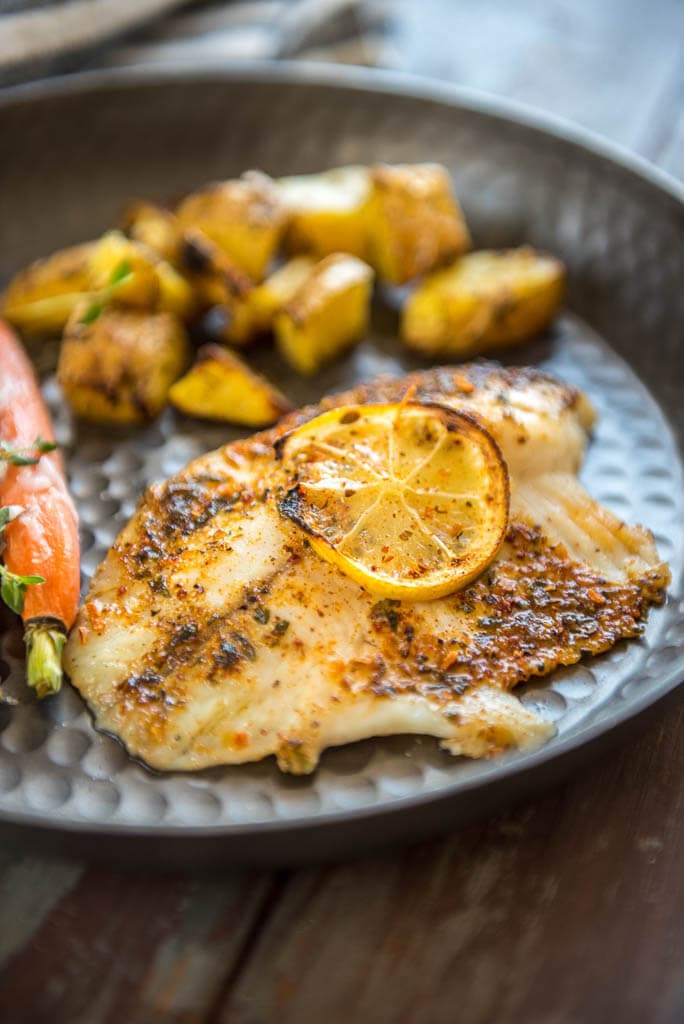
612 65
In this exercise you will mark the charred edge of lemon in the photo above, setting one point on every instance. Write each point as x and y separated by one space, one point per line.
290 507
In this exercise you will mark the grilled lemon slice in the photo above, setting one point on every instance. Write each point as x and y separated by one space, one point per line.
410 500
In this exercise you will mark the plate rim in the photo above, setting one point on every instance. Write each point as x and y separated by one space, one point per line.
389 83
355 78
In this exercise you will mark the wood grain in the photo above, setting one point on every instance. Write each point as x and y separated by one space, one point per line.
130 950
567 911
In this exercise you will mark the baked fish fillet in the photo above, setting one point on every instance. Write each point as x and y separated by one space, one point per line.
212 634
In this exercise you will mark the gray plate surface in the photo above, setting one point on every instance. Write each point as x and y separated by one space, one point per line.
84 147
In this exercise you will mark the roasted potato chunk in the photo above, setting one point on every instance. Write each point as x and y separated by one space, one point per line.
151 282
125 267
413 220
327 314
272 294
486 299
40 299
154 227
221 285
245 218
119 367
221 387
327 211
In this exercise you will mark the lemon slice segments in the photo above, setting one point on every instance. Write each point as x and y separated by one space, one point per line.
410 500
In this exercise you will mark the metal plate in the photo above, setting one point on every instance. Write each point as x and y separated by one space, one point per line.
620 231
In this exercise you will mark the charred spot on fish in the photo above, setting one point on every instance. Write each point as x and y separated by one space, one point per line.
386 611
280 628
291 506
158 585
232 650
186 507
227 655
184 634
148 552
145 688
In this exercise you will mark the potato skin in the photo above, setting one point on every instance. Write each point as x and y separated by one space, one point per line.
153 226
219 283
413 220
245 218
485 300
327 315
40 298
154 283
402 219
140 288
119 368
221 387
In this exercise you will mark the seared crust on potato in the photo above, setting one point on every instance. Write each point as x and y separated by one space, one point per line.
40 298
119 367
219 283
414 222
155 227
403 219
485 300
221 387
150 282
245 218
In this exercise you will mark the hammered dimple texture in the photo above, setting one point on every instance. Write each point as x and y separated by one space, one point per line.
619 237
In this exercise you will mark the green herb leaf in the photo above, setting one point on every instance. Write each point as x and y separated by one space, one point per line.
23 460
13 588
25 456
121 271
387 611
44 446
16 456
92 312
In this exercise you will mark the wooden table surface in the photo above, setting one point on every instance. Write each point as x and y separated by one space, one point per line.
565 910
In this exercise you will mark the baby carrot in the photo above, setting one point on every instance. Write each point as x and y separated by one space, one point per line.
41 556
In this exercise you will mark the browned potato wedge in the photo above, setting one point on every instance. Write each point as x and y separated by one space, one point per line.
219 283
119 367
486 299
221 387
413 220
327 211
152 283
270 296
39 300
245 218
154 227
115 256
327 315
